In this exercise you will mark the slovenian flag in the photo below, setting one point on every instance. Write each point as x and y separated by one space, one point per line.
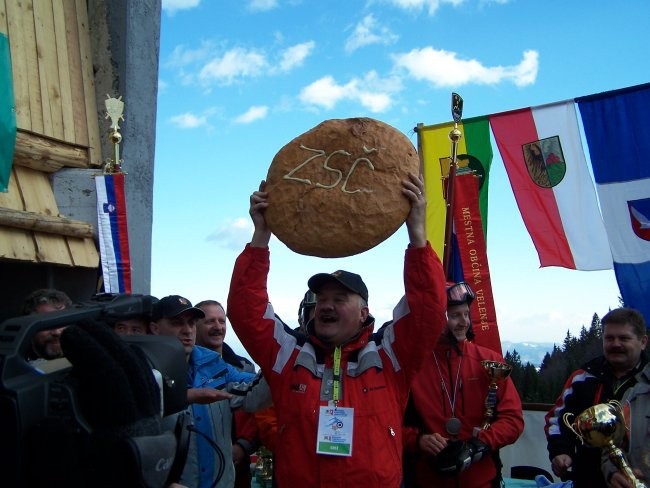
617 128
548 172
113 233
7 114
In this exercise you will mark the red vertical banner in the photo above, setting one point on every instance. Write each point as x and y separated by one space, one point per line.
473 256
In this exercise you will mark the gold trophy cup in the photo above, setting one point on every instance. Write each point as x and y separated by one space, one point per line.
603 426
497 372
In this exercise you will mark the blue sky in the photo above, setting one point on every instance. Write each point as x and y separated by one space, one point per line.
240 79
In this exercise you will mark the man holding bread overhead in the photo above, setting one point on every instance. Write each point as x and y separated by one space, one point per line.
340 392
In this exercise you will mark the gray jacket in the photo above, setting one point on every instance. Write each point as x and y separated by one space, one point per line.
636 404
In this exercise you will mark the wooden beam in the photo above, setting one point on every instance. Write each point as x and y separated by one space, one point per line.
45 223
47 154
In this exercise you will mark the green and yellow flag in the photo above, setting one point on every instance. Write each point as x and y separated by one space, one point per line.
7 114
474 152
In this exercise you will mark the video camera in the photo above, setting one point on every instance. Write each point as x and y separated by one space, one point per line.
32 394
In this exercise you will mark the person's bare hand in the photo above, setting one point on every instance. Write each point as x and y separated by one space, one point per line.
258 204
432 443
560 464
207 395
619 480
238 453
413 189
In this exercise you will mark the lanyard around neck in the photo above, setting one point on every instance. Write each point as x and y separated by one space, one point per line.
336 386
451 399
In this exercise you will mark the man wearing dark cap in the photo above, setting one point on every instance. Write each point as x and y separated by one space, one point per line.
446 439
340 391
210 379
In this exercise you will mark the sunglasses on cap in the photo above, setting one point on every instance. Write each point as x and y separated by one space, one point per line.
459 293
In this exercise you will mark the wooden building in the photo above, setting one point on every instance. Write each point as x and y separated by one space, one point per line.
63 52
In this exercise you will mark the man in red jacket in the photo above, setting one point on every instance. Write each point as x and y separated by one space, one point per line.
445 443
340 391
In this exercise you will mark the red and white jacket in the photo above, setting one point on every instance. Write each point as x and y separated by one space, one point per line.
378 369
429 409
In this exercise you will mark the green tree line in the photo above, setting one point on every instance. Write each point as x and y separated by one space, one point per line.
544 384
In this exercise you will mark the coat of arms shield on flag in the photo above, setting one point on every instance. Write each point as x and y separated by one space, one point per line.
640 217
545 161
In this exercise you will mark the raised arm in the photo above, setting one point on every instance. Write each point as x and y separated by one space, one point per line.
420 316
259 203
413 189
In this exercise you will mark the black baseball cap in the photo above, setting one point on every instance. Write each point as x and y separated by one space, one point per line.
174 305
351 281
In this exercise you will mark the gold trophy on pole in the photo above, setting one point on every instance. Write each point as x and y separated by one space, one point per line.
603 425
497 372
115 112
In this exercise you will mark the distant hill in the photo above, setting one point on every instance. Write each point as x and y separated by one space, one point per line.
530 352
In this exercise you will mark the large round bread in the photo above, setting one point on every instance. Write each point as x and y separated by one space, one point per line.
336 190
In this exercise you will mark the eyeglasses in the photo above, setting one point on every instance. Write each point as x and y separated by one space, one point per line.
460 293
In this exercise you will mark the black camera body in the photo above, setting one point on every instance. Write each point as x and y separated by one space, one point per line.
31 393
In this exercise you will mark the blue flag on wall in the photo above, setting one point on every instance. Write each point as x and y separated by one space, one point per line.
617 125
7 114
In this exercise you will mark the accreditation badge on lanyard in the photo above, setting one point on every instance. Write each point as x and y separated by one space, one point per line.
335 424
335 427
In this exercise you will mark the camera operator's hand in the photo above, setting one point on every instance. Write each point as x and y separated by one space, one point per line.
207 395
119 399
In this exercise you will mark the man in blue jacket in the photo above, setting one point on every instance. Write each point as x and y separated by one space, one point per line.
210 380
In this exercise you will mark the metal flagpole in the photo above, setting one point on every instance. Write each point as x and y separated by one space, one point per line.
455 136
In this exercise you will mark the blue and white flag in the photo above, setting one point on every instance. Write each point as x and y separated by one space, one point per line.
617 128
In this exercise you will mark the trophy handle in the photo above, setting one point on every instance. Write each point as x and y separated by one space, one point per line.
566 418
618 406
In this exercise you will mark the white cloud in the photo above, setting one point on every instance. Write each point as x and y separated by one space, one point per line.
189 120
324 92
262 5
254 113
206 65
372 92
525 73
367 32
235 63
233 235
445 69
182 56
171 6
430 5
295 55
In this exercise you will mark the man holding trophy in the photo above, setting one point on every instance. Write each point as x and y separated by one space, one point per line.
601 380
463 407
